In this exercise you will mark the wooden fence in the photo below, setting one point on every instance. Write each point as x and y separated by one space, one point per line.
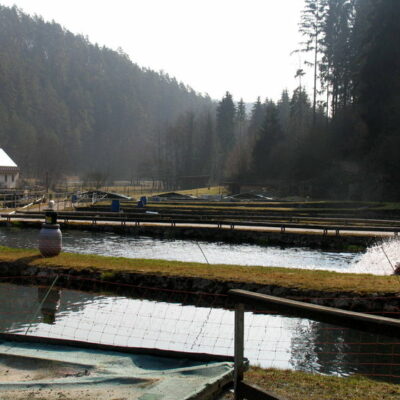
218 221
348 319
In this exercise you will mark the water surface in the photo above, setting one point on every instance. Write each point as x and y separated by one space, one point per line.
111 244
270 340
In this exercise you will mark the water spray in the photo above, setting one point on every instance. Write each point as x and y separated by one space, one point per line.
396 268
387 258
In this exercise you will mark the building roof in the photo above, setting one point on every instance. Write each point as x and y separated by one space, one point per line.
5 160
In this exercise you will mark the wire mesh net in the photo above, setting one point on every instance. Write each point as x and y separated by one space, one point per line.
147 317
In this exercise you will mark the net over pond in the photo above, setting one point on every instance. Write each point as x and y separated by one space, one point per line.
271 340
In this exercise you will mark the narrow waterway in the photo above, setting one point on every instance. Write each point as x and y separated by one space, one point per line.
111 244
270 340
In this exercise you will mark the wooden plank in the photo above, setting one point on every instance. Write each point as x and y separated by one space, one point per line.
335 316
253 392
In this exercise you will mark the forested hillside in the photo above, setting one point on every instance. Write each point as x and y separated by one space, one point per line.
342 140
67 106
70 107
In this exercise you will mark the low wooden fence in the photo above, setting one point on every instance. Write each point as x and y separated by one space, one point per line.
173 220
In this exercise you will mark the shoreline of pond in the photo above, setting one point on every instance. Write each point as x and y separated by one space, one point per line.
153 279
313 240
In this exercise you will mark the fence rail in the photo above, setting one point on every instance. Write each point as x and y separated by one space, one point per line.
142 314
174 220
363 322
201 215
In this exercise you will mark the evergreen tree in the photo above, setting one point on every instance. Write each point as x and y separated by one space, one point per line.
225 129
241 117
300 115
335 66
241 112
256 118
284 112
226 113
377 86
265 163
311 26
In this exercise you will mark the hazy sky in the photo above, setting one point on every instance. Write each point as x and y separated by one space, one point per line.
242 46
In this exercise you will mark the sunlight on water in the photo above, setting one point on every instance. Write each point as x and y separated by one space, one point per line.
379 259
373 261
129 246
271 341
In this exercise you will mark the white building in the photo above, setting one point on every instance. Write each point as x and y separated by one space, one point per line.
9 171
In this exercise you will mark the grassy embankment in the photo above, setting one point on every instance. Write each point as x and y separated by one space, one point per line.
294 385
285 277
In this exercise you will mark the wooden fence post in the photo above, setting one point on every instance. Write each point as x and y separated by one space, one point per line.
239 348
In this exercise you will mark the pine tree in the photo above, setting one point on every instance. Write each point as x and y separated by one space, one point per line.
377 84
256 118
241 112
284 112
300 115
264 152
311 26
335 65
226 114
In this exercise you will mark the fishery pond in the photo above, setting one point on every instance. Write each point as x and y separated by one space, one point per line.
111 244
270 340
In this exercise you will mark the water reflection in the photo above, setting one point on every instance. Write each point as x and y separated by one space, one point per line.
21 305
331 350
49 300
111 244
270 340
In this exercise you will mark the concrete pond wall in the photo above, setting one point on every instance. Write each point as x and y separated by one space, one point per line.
187 290
267 238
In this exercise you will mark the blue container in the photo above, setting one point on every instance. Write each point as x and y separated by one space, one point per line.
74 198
143 199
115 206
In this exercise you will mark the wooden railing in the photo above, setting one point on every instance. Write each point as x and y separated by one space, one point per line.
348 319
218 221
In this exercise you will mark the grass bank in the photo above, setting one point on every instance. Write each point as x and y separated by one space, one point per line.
289 278
294 385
